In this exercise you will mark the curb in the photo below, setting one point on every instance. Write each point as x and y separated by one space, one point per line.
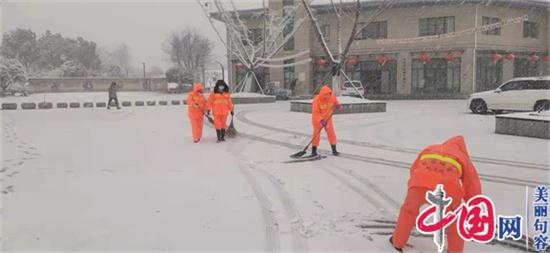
28 106
9 106
45 105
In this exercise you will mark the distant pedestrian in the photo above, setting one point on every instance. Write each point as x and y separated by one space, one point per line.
113 96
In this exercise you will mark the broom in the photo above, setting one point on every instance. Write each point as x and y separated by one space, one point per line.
231 131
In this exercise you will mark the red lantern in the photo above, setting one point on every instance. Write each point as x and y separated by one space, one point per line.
321 62
496 57
382 59
424 58
547 58
239 65
533 58
450 57
510 57
352 61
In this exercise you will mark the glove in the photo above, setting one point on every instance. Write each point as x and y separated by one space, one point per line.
207 112
323 123
232 113
338 106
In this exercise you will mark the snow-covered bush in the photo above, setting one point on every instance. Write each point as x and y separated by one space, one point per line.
70 69
11 73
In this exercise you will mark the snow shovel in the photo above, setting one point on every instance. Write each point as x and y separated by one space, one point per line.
231 131
303 151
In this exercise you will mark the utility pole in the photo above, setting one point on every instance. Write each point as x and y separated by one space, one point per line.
474 65
144 71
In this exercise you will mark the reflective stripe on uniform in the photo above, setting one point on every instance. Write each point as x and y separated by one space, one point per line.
442 158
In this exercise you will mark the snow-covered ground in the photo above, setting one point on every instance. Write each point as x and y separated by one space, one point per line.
132 179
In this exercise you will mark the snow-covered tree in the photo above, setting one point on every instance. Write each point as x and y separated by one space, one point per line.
188 49
177 74
20 44
71 69
11 72
254 46
344 12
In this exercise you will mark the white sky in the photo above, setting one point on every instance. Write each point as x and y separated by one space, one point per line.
142 25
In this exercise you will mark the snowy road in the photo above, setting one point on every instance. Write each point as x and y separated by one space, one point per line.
133 180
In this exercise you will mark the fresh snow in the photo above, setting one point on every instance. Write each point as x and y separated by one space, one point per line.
132 179
248 95
345 100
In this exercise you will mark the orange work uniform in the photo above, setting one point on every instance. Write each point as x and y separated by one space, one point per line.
322 108
221 106
448 164
196 106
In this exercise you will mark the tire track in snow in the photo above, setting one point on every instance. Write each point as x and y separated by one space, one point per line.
527 165
299 244
399 164
272 241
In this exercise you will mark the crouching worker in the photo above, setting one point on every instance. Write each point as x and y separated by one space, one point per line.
196 107
447 164
322 109
220 102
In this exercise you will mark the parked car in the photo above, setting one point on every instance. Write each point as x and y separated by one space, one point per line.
282 94
348 90
519 94
173 87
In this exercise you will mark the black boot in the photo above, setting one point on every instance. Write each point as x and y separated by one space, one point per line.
314 151
391 242
223 134
219 134
334 151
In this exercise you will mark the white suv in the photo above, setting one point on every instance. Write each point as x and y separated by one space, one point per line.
519 94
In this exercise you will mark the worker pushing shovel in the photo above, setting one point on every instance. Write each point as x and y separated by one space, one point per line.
322 110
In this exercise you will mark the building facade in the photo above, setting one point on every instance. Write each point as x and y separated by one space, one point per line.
397 55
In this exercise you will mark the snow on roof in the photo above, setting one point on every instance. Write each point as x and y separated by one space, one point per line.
534 5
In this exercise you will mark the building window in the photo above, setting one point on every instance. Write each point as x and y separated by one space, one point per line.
288 29
488 74
436 76
319 74
530 29
525 68
289 75
374 30
377 78
436 26
288 2
325 31
240 73
263 76
255 35
489 21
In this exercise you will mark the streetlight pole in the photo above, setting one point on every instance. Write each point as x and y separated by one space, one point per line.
223 70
